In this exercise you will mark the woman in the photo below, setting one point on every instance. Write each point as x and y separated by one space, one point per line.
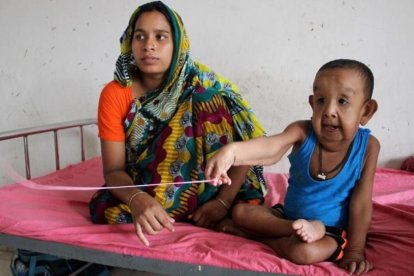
159 121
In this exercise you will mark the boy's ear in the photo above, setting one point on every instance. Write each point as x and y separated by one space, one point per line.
310 100
370 108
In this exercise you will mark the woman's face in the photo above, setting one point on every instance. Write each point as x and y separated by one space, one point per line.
152 44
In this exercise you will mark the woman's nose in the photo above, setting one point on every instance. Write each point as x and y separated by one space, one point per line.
150 44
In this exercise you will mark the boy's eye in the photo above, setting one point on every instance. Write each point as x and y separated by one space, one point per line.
320 100
343 101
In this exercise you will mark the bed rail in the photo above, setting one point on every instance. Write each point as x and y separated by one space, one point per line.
26 132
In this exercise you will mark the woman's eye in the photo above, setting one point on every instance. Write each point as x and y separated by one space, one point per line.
139 37
161 37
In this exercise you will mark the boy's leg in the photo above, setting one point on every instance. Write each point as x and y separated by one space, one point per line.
299 252
309 230
261 221
268 226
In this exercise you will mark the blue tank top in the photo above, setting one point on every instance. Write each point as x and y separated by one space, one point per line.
327 200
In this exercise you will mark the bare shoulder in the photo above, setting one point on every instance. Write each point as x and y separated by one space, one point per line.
374 146
296 133
371 156
374 142
298 128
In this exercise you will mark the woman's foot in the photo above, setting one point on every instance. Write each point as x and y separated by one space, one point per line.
227 226
309 231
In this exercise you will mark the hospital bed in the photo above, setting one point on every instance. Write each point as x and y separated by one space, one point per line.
57 222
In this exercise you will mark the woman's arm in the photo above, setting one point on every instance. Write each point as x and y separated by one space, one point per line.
360 212
215 210
146 212
113 160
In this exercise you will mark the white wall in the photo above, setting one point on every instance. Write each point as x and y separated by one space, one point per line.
56 55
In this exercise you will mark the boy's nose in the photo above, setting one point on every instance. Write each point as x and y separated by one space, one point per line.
330 111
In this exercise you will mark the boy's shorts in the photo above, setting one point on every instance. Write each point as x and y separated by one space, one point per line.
338 234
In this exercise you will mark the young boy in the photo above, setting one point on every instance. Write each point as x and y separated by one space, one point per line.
328 207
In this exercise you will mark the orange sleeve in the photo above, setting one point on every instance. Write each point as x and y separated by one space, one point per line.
114 104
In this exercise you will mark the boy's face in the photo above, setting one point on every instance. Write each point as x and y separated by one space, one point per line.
338 103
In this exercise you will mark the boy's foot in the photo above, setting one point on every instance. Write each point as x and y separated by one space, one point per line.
309 231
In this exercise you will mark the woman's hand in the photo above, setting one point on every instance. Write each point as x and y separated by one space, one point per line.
149 216
209 214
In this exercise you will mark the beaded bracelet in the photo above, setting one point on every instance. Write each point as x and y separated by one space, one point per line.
223 203
133 196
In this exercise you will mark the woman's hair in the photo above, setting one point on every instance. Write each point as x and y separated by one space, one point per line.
149 7
361 68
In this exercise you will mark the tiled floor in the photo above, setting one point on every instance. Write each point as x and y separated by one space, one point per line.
6 255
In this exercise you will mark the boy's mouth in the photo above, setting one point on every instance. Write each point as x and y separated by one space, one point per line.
330 127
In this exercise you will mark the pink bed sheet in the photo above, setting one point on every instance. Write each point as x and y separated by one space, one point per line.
63 217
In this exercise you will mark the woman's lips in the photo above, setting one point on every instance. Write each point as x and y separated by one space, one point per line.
149 60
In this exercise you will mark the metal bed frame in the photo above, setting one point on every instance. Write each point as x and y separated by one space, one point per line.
157 266
26 132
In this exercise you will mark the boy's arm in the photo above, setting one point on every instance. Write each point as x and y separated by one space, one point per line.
360 212
269 150
257 151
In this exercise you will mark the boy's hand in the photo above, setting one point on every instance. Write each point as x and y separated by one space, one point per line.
223 179
355 263
218 165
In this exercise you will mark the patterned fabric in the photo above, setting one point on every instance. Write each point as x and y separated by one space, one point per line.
172 131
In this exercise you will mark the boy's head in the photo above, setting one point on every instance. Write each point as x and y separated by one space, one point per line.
341 100
362 69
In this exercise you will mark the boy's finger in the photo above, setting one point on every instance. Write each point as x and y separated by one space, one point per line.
207 171
351 267
216 182
225 179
